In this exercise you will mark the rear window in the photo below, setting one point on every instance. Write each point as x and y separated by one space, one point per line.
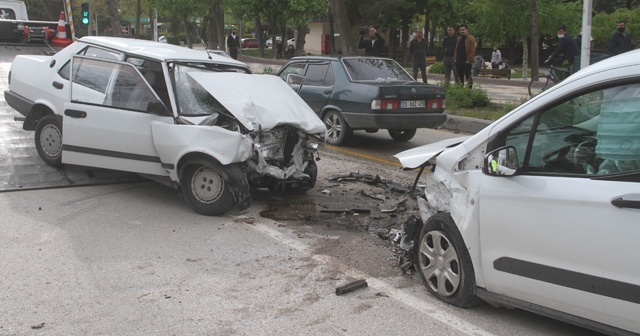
375 69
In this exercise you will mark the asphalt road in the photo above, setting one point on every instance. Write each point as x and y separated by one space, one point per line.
132 258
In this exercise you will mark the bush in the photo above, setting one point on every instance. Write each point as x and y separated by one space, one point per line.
436 68
460 96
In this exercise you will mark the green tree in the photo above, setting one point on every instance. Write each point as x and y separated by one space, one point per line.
604 24
182 9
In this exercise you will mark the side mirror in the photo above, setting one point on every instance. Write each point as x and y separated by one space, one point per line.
295 81
502 161
157 107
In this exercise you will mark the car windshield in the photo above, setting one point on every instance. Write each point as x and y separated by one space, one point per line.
193 100
375 69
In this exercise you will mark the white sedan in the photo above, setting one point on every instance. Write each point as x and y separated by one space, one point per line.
195 121
541 209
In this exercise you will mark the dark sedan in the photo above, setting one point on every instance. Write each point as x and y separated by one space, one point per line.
366 93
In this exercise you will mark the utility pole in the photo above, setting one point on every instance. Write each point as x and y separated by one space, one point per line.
535 52
585 55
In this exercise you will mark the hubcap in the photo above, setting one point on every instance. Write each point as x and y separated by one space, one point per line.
51 140
439 263
207 185
334 128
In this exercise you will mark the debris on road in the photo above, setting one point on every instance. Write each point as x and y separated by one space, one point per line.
38 326
373 180
353 211
351 286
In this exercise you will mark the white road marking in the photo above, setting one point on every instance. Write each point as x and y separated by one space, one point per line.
408 299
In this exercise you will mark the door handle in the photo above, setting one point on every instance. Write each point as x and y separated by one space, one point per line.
58 85
327 92
623 203
75 114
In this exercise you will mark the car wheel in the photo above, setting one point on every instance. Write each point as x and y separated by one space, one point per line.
338 132
443 262
402 134
49 140
205 186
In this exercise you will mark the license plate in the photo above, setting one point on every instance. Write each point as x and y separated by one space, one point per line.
412 103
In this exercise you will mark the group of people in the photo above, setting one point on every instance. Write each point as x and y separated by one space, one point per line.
497 62
460 51
619 43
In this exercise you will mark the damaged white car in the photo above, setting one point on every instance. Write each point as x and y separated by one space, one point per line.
197 122
541 209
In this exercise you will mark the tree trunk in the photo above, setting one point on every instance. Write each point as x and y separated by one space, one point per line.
258 23
301 33
535 54
112 8
525 57
219 22
138 12
346 31
187 33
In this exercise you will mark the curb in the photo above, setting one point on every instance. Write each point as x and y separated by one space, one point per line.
459 124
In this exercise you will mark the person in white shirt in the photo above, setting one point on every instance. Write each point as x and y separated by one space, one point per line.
496 56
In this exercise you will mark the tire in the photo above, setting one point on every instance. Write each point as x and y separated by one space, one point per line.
205 187
49 140
545 81
443 262
338 132
402 134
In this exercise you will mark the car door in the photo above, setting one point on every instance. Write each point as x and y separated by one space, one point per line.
61 78
563 232
318 85
107 122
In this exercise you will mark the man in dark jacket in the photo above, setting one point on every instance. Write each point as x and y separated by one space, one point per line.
449 45
233 43
418 50
620 41
373 46
567 46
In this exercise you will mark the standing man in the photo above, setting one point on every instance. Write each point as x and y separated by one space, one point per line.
620 41
464 53
373 46
449 45
418 50
496 56
233 43
567 46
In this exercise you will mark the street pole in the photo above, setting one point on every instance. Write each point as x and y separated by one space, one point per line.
585 55
89 30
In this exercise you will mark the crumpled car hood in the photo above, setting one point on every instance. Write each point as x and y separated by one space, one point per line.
260 101
415 157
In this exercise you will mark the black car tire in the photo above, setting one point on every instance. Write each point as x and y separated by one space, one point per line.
402 134
49 140
205 187
338 131
443 262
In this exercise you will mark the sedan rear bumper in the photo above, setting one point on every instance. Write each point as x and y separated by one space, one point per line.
395 120
18 102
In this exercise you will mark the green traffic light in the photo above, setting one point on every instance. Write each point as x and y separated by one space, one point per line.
85 20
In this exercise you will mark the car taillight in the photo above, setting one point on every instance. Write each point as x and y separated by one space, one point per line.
435 103
385 104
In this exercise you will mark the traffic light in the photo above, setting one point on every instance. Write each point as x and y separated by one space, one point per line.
85 13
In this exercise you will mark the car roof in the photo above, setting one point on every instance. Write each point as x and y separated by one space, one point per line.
331 57
156 50
626 59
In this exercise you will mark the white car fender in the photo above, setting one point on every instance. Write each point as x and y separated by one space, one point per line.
175 141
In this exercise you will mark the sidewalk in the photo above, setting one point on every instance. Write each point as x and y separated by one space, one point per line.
499 91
